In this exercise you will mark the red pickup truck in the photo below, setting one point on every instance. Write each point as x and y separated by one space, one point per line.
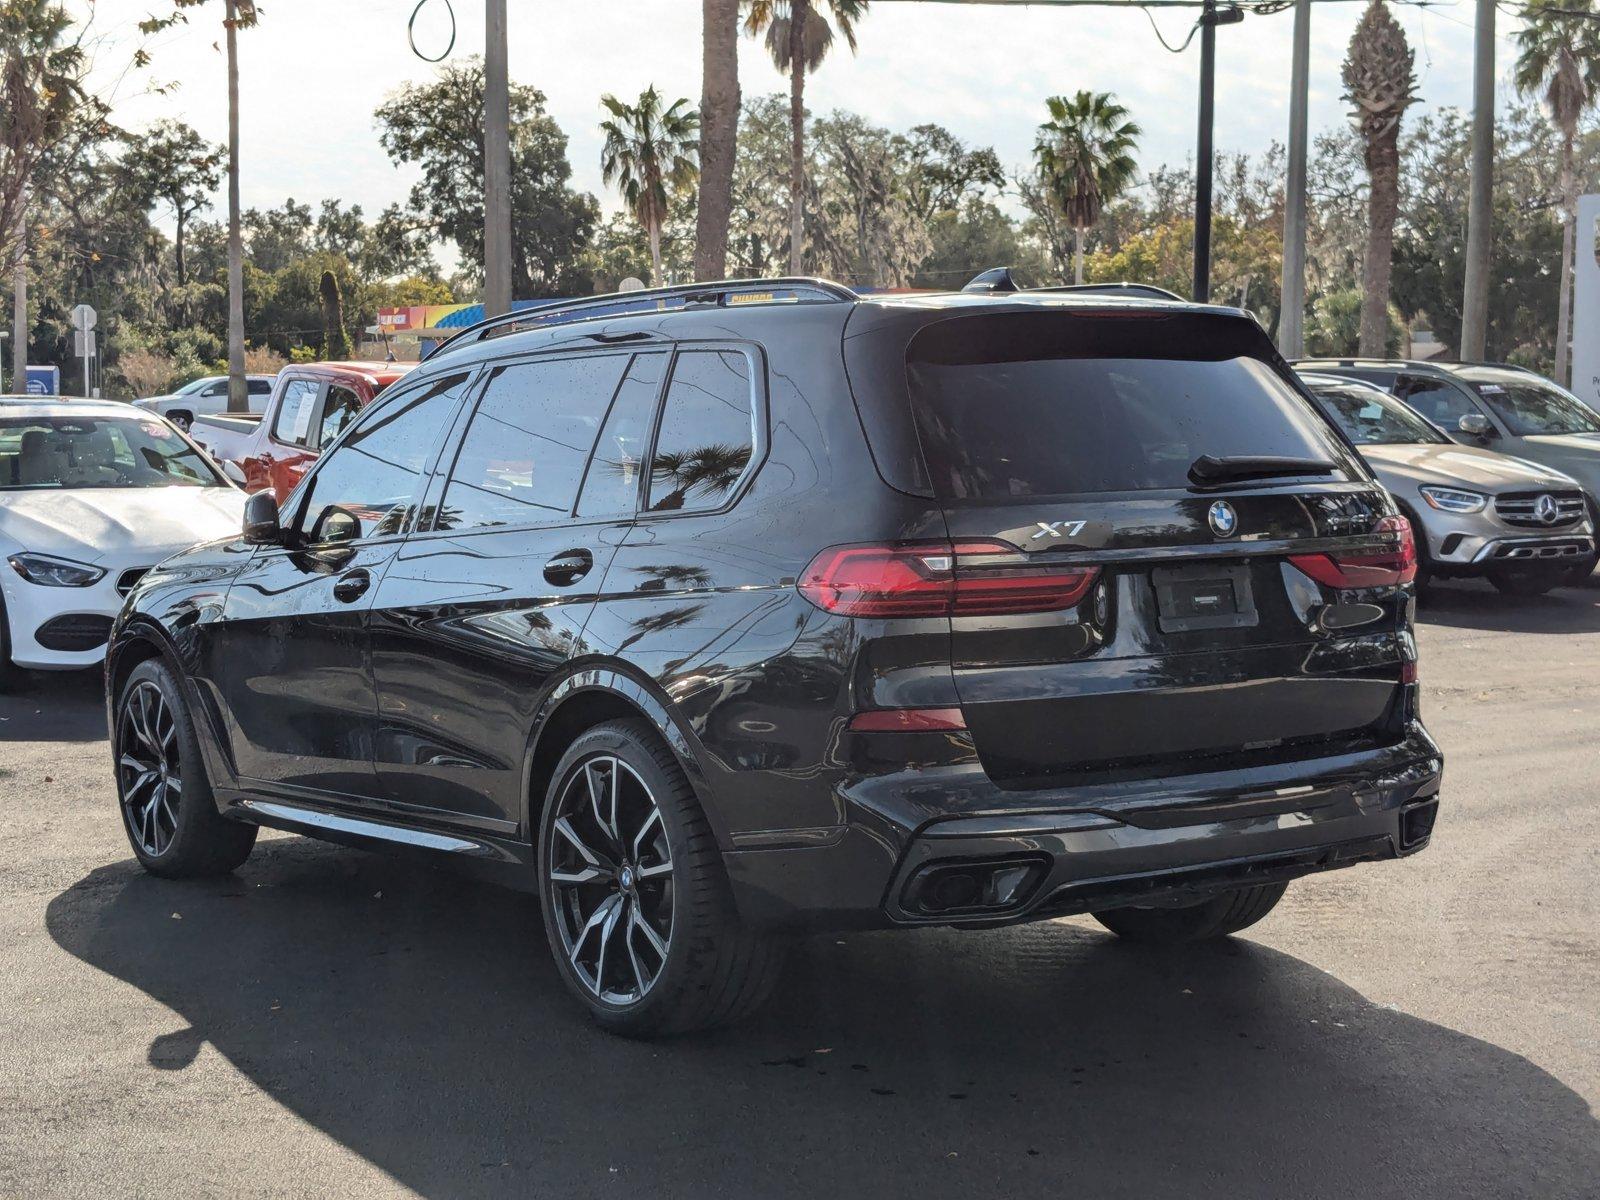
310 404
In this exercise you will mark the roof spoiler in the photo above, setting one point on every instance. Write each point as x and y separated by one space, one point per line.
1003 280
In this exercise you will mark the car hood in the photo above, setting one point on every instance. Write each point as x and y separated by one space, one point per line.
1577 454
116 525
1459 466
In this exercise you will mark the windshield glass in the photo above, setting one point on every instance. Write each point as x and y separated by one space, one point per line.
1013 406
1531 406
1371 418
98 452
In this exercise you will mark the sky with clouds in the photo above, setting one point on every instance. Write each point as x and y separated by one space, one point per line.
314 70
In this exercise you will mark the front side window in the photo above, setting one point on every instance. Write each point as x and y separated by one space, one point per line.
523 455
707 435
98 452
1371 418
1530 407
365 486
1440 401
292 424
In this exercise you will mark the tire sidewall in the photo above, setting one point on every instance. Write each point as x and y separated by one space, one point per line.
670 795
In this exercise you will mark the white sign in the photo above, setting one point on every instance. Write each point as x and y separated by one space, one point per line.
83 344
84 318
1586 305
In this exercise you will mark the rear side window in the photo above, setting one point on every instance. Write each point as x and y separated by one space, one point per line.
1016 405
259 387
523 456
338 410
707 435
611 487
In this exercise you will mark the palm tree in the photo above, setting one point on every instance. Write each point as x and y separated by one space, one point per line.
719 134
1558 55
1085 156
650 154
1379 81
799 35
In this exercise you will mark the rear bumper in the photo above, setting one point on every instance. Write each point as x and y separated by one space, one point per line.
1100 848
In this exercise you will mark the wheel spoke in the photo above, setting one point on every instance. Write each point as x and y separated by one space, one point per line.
584 875
640 982
596 919
596 800
607 928
650 822
650 935
656 869
564 827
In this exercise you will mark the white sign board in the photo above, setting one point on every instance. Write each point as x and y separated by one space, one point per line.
84 318
83 344
1586 305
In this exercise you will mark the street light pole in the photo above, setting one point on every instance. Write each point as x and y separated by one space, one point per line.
496 164
1291 317
1203 152
1480 197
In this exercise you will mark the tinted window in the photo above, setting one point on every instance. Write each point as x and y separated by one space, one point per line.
260 387
1371 418
1442 403
365 485
524 453
338 410
998 419
611 487
295 411
707 432
1532 406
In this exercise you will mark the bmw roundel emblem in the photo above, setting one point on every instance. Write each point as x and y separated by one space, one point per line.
1223 519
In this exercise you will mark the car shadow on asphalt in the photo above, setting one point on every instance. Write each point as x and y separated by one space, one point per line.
1473 604
413 1015
54 706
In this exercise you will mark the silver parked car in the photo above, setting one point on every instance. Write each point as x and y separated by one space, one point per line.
1519 524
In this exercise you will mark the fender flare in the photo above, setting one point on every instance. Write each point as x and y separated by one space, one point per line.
618 681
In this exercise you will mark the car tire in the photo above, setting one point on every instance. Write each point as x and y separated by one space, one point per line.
1214 918
165 799
620 808
10 673
1528 583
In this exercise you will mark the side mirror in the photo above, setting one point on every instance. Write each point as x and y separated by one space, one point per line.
1475 425
261 520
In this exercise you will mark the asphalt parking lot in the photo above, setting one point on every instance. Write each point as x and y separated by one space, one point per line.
333 1023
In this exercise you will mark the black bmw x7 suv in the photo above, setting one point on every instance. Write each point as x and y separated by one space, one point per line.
718 613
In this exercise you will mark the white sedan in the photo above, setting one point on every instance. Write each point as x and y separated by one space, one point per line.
92 495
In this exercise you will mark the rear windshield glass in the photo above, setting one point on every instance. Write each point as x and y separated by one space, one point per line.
1018 405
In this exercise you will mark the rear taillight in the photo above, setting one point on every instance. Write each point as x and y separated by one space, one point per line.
1387 568
938 579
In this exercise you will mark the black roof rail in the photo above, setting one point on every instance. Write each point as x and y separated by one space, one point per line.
616 304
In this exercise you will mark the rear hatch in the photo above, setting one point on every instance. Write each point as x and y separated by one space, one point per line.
1239 569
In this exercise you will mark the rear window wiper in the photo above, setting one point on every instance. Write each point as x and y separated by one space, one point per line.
1208 469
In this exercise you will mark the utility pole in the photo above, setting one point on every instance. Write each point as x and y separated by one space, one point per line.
1204 156
1291 320
19 302
496 164
238 392
1480 202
